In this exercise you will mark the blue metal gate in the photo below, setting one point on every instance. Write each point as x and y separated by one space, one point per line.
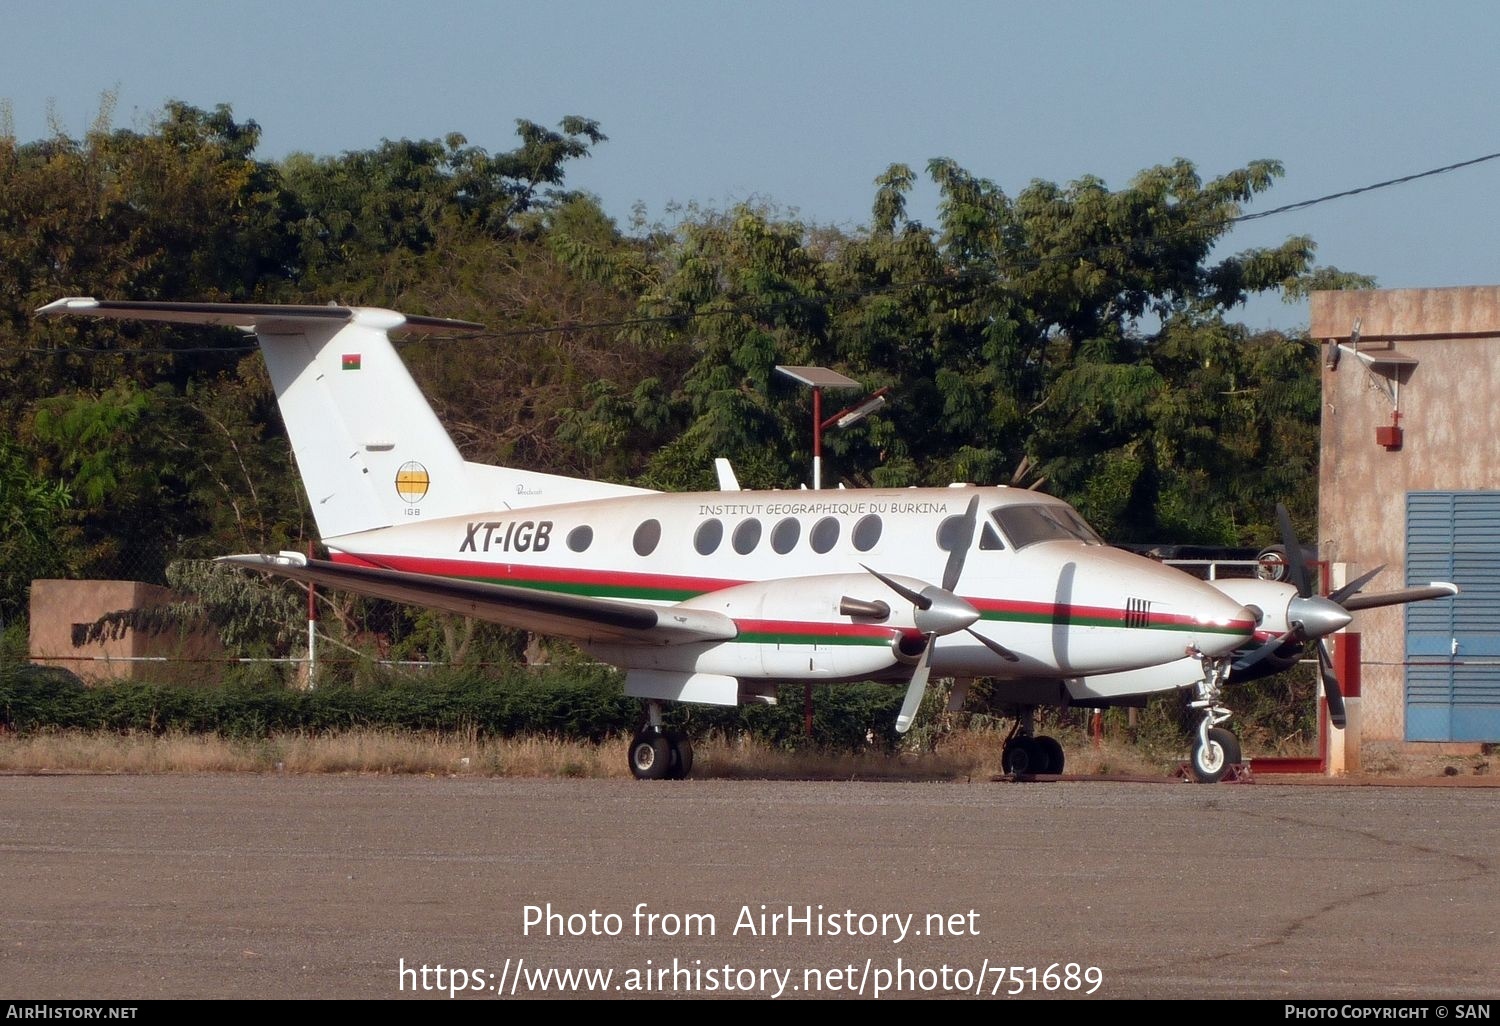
1453 645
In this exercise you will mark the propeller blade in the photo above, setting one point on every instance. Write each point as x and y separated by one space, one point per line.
1336 714
1350 589
914 597
935 610
960 550
916 689
1437 589
1265 650
995 647
1296 560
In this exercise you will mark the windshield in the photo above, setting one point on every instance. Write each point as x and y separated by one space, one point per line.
1027 525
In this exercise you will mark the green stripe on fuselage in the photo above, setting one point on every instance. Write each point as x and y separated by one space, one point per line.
777 638
1115 621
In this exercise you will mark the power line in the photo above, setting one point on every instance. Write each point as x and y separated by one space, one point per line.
957 278
1365 188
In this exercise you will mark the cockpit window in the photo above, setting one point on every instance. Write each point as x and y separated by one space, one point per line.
1027 525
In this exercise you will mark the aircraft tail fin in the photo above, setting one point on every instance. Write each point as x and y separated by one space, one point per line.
370 450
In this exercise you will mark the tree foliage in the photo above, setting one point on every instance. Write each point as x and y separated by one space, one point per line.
1080 332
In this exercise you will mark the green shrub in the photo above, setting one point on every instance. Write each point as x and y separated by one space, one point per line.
584 701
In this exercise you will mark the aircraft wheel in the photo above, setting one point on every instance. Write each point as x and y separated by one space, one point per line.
650 756
1210 762
1049 755
682 755
1020 756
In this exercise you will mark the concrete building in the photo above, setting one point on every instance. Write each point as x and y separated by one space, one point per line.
1410 478
61 612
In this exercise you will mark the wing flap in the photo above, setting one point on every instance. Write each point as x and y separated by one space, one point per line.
580 617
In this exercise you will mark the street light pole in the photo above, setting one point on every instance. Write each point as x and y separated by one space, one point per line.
818 378
817 437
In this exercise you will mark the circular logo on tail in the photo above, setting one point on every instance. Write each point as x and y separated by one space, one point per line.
412 481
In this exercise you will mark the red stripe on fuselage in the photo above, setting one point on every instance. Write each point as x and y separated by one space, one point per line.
528 575
804 628
525 574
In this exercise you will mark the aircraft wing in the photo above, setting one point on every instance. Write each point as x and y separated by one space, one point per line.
569 616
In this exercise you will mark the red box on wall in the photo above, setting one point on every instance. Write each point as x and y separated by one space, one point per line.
1389 435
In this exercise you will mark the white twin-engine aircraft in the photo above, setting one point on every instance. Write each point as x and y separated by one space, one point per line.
718 597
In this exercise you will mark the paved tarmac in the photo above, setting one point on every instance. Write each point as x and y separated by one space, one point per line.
130 887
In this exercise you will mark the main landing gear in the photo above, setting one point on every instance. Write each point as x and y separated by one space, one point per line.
1025 752
1215 750
658 754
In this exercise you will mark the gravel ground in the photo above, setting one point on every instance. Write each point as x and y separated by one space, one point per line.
326 886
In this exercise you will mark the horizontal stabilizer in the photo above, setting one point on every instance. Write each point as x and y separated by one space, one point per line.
250 316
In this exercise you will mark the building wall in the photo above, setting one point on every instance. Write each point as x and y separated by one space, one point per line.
1450 416
60 607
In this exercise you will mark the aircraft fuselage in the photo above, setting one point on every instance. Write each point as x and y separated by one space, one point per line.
781 563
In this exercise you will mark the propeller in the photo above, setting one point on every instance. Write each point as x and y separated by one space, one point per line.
1313 617
937 611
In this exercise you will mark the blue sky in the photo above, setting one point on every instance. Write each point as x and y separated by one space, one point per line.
803 104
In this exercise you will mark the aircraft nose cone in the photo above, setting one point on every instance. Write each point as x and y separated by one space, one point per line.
1224 623
1318 616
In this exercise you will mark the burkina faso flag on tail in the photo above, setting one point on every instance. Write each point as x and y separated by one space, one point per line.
351 361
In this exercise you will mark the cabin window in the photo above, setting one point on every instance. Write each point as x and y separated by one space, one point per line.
647 536
824 535
785 534
867 532
746 537
951 534
709 535
580 538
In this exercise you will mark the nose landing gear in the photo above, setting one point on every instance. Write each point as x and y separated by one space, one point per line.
1215 750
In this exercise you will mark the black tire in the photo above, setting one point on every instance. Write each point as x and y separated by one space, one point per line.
1271 564
650 756
1049 755
682 755
1210 764
1020 756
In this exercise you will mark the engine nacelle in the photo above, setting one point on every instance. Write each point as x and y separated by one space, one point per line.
798 628
1271 598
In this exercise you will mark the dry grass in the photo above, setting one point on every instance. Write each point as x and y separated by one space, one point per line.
961 755
364 751
1391 759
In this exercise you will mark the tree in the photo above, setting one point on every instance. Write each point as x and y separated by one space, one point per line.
1080 329
30 510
